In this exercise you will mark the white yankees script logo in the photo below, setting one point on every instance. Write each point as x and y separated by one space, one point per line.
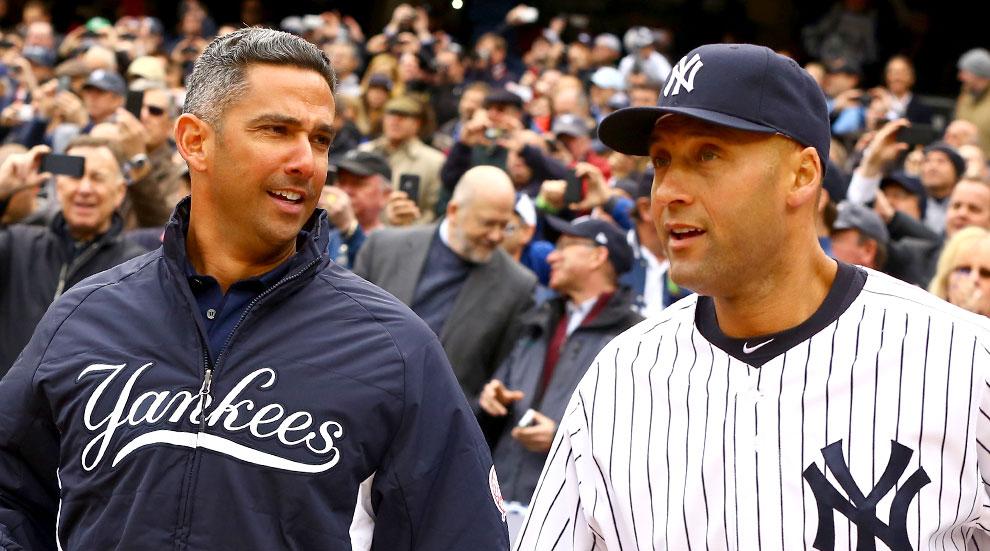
270 421
679 71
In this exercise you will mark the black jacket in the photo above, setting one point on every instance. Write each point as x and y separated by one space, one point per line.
37 264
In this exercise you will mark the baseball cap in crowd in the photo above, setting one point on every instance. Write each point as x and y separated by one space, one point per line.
97 24
404 105
845 67
954 157
362 163
637 37
853 216
976 61
525 208
608 77
147 67
570 125
39 55
607 235
501 96
910 184
610 41
102 79
379 80
739 86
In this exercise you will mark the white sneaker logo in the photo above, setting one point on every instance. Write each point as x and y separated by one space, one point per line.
747 349
678 73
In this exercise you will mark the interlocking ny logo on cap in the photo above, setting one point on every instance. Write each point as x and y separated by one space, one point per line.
678 73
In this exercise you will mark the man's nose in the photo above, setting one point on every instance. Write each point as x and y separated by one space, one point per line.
302 160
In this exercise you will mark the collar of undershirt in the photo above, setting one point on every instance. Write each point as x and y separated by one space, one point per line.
756 351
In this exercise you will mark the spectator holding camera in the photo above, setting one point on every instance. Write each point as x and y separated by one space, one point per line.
408 156
37 264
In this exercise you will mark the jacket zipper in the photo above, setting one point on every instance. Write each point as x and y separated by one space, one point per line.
69 269
204 392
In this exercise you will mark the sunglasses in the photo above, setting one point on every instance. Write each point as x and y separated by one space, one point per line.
154 110
984 273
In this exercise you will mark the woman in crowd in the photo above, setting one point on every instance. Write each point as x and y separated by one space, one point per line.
963 274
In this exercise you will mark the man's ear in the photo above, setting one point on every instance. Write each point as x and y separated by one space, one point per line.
807 174
452 211
194 139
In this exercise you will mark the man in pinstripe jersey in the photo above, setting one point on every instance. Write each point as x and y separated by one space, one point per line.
795 402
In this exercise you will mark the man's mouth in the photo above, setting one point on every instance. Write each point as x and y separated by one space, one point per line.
287 196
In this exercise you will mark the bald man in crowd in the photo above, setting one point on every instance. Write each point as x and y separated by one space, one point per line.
454 275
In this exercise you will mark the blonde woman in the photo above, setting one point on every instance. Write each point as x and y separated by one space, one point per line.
963 274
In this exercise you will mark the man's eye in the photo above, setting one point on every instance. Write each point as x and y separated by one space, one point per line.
708 155
277 129
660 162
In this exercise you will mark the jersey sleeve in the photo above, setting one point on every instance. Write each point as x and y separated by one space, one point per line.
556 517
436 488
29 447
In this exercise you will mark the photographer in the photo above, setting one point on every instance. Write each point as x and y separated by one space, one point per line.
495 136
37 264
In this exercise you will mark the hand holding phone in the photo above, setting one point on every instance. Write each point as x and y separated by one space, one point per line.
409 184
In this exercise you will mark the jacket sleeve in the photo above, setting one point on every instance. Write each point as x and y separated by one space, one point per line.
29 448
436 488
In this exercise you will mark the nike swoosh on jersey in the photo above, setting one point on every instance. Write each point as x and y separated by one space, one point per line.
747 349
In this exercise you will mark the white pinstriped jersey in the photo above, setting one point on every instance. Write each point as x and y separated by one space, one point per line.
864 428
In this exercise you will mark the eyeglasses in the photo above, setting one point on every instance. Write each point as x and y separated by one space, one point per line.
984 273
154 110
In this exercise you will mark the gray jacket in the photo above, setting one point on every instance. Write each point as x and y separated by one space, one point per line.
478 332
518 468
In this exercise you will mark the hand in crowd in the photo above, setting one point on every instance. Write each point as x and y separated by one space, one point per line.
883 208
400 210
133 135
883 149
339 209
964 291
537 437
595 190
20 171
847 99
495 398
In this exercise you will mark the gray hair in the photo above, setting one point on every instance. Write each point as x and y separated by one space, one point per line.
219 76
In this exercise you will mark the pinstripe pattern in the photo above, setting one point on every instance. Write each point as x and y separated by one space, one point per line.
671 438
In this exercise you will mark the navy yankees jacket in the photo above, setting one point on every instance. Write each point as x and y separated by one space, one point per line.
118 430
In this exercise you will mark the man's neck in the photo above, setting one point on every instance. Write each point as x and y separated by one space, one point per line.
784 300
370 223
393 145
215 254
588 292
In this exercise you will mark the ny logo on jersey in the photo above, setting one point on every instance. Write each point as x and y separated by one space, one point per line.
678 73
860 509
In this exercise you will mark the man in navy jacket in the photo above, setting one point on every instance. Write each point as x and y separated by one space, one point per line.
235 389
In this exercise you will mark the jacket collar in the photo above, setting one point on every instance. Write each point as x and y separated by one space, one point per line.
311 243
60 227
616 310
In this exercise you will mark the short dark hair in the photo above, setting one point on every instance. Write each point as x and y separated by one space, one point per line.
218 77
93 142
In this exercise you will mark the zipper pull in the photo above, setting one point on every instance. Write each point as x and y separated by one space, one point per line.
207 381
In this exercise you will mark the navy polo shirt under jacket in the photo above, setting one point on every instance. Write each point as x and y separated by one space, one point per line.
443 276
220 312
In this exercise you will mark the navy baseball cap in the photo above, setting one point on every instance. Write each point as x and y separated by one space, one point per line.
107 81
606 234
739 86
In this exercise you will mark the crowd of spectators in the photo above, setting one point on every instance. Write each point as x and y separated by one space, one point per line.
467 180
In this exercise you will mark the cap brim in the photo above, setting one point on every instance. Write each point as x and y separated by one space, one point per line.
628 130
353 168
563 226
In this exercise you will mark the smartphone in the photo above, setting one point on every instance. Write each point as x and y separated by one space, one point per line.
409 184
135 99
527 419
574 191
918 134
68 165
64 84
